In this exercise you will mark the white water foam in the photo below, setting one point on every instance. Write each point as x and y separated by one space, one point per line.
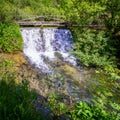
44 43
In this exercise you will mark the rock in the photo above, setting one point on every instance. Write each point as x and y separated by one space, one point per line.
1 50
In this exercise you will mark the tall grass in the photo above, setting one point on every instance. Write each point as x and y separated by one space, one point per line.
17 100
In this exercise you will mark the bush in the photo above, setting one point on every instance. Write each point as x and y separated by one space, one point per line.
93 48
10 38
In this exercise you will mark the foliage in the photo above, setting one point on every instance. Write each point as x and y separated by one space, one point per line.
93 48
114 73
94 12
108 84
112 15
56 106
16 100
6 11
81 12
85 111
77 11
11 10
6 66
105 102
10 37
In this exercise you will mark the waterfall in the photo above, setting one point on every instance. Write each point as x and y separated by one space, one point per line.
45 44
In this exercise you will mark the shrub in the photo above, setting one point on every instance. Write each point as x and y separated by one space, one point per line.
93 48
10 37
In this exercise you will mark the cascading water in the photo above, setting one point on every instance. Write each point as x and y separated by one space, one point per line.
42 44
41 47
48 49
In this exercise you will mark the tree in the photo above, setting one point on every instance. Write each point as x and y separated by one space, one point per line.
6 11
81 12
112 18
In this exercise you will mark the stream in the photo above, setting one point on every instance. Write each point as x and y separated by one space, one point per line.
49 51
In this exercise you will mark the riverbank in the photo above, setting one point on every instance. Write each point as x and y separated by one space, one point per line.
66 87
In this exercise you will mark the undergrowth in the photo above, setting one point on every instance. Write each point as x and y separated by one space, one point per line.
17 100
10 37
94 48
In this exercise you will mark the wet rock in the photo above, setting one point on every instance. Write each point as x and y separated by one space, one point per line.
39 105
